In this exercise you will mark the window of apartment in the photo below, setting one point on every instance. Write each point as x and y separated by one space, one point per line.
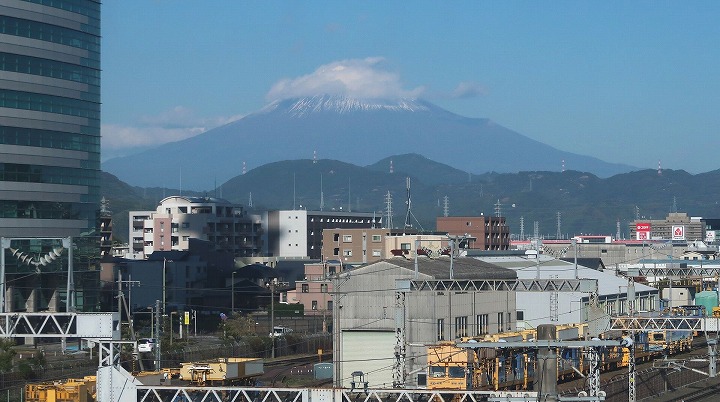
305 288
376 238
336 251
347 253
323 288
460 326
347 238
376 253
520 315
168 210
404 246
331 270
500 322
441 329
481 324
183 210
185 225
336 236
314 305
329 305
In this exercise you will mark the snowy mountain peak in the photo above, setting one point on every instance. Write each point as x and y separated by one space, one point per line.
299 107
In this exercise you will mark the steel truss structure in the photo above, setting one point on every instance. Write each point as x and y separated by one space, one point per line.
60 325
234 394
503 285
676 272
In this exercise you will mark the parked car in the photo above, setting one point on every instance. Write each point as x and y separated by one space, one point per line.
280 331
146 345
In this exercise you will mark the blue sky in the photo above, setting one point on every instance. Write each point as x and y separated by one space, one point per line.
629 82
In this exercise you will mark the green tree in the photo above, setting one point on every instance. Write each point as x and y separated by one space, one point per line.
238 325
7 353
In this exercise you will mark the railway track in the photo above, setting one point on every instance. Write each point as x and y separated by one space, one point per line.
651 379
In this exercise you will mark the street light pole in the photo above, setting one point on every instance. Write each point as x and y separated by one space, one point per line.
164 280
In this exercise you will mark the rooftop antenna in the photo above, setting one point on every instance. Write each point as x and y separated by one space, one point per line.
388 210
293 191
446 206
659 168
392 170
244 168
250 200
322 196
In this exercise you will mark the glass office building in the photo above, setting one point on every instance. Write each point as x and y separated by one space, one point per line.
49 149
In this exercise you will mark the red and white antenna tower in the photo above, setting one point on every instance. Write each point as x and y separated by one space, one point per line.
314 156
659 168
563 165
392 170
244 168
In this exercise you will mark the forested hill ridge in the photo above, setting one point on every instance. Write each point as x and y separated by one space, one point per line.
586 203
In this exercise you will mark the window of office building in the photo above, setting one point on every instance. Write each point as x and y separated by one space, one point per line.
305 288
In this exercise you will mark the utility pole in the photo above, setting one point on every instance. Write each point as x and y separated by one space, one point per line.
547 360
157 333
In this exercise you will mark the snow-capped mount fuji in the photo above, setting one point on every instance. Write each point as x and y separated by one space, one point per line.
300 107
358 131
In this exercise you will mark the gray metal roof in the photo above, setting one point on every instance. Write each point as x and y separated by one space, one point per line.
463 268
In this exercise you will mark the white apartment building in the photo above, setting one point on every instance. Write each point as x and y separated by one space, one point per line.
179 218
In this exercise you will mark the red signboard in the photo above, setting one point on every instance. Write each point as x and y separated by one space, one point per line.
642 227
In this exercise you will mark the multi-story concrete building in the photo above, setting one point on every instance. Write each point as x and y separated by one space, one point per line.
50 147
177 219
361 246
483 232
677 226
299 233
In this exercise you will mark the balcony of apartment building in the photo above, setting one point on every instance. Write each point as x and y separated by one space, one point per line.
201 210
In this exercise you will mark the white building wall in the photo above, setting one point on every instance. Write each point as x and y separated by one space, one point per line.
292 233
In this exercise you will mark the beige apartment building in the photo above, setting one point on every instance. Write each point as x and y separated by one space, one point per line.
362 246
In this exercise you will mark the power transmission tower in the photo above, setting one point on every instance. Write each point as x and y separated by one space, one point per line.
388 210
322 195
446 206
558 234
249 200
408 201
617 229
498 210
522 227
536 229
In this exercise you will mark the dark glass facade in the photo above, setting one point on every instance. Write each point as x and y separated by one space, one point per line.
50 149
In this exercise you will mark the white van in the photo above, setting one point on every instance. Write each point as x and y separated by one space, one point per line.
280 331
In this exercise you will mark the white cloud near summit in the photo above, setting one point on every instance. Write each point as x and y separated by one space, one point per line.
358 78
171 125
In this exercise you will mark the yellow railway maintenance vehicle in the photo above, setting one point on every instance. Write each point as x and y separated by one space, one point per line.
454 368
71 390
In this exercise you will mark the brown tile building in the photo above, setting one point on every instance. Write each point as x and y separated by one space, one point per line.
485 232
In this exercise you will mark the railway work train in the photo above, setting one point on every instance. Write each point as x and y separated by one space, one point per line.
454 368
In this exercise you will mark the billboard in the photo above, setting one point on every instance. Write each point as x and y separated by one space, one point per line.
678 232
710 236
642 230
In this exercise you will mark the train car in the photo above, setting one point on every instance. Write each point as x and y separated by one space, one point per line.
450 367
